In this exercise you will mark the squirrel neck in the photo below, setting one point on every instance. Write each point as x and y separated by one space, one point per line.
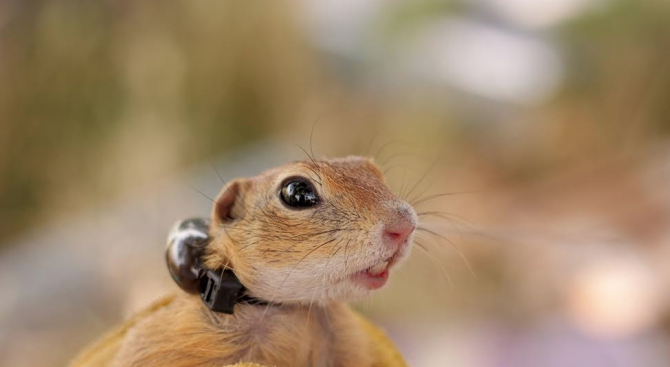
255 318
265 329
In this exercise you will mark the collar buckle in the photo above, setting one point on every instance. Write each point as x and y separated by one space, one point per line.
220 290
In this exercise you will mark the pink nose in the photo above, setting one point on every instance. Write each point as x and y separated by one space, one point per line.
396 234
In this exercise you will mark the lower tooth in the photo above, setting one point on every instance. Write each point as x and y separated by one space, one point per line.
378 268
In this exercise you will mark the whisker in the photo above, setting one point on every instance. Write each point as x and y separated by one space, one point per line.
435 196
237 196
393 156
210 199
389 169
311 135
387 144
205 195
323 275
313 162
346 254
303 237
370 145
449 217
432 259
274 294
423 177
458 251
249 245
402 183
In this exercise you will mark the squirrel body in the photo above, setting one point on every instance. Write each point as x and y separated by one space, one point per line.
149 339
306 237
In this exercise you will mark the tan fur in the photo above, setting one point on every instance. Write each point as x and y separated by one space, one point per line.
185 333
301 258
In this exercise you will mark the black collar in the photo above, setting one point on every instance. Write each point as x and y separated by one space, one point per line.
220 290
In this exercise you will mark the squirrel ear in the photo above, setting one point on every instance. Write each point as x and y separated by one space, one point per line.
229 204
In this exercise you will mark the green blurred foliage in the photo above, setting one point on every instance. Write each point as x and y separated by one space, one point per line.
618 83
101 96
89 87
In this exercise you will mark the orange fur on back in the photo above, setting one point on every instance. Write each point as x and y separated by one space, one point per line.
155 337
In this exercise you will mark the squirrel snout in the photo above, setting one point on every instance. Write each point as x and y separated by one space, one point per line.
396 234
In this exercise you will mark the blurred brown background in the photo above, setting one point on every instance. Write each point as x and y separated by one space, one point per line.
549 120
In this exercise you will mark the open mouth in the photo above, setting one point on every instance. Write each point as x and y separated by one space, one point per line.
377 275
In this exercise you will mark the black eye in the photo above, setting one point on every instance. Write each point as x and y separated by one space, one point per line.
299 193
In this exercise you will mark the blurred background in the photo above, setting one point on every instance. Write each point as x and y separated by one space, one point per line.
549 121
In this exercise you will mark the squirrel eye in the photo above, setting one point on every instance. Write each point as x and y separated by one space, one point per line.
298 193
